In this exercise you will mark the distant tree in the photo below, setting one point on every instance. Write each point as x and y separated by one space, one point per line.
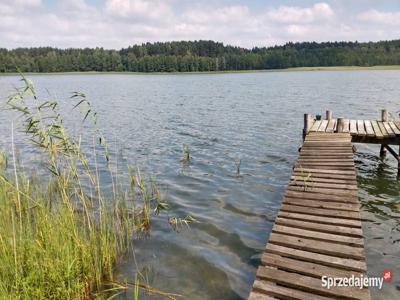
190 56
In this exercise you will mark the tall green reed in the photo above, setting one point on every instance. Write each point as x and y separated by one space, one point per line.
61 234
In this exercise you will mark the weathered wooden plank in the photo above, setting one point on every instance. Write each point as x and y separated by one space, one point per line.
315 126
341 142
317 176
331 125
315 196
322 259
326 148
382 128
331 155
311 182
321 135
324 136
378 130
321 152
330 158
349 179
343 214
310 284
334 136
320 236
356 232
308 244
311 189
326 171
326 162
268 288
369 128
322 204
260 296
305 268
322 179
360 128
324 143
322 127
389 129
353 127
324 165
397 123
301 216
394 128
346 125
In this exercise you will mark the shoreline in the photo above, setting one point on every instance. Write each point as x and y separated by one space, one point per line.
296 69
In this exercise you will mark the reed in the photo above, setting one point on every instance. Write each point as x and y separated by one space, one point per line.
238 162
60 236
185 154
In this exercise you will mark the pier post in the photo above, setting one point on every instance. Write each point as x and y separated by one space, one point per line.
384 118
307 124
328 115
340 125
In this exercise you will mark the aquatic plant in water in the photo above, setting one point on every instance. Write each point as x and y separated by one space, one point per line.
238 162
185 153
61 236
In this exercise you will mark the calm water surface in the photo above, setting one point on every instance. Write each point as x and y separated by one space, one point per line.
256 118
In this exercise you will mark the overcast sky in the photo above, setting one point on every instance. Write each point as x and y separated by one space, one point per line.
120 23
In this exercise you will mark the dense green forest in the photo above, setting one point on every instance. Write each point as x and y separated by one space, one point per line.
199 56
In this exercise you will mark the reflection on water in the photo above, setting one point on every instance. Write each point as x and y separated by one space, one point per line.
223 118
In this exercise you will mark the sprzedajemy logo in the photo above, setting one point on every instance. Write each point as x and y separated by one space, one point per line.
357 281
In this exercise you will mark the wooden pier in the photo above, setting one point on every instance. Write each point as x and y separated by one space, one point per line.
384 131
318 230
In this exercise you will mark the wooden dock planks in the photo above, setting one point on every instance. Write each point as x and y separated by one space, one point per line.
318 229
363 131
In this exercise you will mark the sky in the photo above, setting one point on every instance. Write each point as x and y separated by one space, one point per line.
115 24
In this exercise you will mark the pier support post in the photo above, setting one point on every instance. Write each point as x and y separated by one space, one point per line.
307 124
384 118
340 125
328 115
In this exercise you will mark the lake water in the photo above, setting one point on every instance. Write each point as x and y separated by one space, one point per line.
254 117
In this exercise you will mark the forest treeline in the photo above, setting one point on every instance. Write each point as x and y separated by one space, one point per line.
192 56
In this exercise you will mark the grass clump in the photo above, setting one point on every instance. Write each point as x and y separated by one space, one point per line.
60 236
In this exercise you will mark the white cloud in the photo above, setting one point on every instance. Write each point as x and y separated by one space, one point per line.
151 9
379 17
18 6
27 3
227 14
120 23
291 14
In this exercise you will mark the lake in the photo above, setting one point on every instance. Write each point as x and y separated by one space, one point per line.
256 118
